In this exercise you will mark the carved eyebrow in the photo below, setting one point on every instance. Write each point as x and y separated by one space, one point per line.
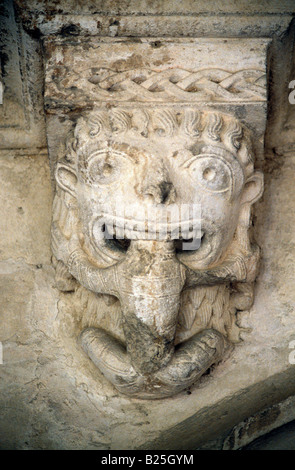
110 151
192 159
214 152
189 161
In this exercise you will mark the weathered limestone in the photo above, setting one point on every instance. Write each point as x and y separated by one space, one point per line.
178 147
27 210
52 395
21 112
133 18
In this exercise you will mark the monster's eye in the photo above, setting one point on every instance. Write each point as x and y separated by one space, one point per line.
100 169
103 167
211 172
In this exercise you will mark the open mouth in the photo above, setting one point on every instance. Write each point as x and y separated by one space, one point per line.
120 240
188 254
118 233
191 244
121 244
153 229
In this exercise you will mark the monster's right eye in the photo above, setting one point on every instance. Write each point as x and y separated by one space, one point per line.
211 172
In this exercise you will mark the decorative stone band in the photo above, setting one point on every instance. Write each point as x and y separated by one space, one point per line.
161 70
148 73
148 285
180 85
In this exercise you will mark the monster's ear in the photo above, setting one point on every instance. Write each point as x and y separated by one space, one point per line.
253 188
66 178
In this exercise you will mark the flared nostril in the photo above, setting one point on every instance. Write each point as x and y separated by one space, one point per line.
156 183
165 189
161 193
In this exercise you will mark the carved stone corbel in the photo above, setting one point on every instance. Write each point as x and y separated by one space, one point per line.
156 141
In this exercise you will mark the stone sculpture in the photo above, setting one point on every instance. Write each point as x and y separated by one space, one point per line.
177 307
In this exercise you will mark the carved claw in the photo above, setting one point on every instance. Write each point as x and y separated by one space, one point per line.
188 364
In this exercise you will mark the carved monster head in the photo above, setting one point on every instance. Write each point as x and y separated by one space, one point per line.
162 159
145 160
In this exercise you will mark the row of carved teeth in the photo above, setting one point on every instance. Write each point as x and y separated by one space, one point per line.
121 233
183 243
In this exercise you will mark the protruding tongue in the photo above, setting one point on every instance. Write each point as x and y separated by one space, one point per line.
150 286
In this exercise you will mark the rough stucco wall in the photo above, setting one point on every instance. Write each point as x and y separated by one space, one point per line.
52 396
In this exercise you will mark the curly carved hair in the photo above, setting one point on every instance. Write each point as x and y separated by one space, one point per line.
213 127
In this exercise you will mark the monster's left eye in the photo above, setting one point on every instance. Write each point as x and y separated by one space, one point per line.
212 173
104 168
